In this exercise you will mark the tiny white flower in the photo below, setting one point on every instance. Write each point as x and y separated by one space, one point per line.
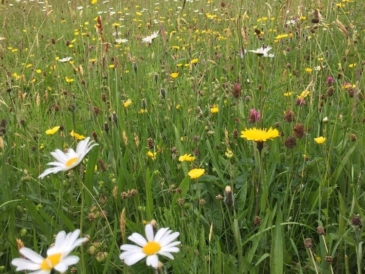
263 51
160 244
120 41
150 38
291 22
64 60
319 68
57 256
70 159
325 119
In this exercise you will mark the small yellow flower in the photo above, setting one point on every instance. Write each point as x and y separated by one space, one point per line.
309 70
127 103
352 65
174 75
214 109
69 80
77 136
52 130
94 2
320 140
281 36
287 94
228 153
151 155
186 158
194 61
111 66
142 110
196 173
303 94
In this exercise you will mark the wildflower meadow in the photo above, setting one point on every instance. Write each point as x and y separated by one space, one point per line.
182 136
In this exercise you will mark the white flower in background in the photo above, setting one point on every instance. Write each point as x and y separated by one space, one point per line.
318 68
2 38
70 159
121 41
263 51
160 244
150 38
291 22
57 256
64 60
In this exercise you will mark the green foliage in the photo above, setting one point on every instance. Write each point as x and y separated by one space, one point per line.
254 208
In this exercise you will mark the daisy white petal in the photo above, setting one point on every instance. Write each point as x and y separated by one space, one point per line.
149 233
166 254
152 261
70 159
49 171
23 264
169 238
127 247
160 244
138 239
30 254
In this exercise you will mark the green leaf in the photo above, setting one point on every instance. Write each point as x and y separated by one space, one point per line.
277 248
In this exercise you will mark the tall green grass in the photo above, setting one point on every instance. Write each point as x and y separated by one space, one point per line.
281 194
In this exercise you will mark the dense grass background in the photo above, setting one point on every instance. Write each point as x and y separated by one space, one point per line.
281 195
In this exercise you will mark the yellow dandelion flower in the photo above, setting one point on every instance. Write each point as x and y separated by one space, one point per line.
259 135
151 155
320 140
52 130
94 2
194 61
69 80
174 75
309 70
214 109
196 173
77 136
127 103
186 158
281 36
303 94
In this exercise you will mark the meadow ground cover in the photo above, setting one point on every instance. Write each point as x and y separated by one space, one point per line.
229 133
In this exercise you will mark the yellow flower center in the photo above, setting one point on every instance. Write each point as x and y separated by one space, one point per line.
151 248
51 261
71 161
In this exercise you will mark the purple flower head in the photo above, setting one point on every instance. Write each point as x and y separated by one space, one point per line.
254 116
330 80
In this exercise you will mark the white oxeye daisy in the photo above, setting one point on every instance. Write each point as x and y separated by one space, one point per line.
57 256
121 41
149 39
263 51
64 60
160 244
70 159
